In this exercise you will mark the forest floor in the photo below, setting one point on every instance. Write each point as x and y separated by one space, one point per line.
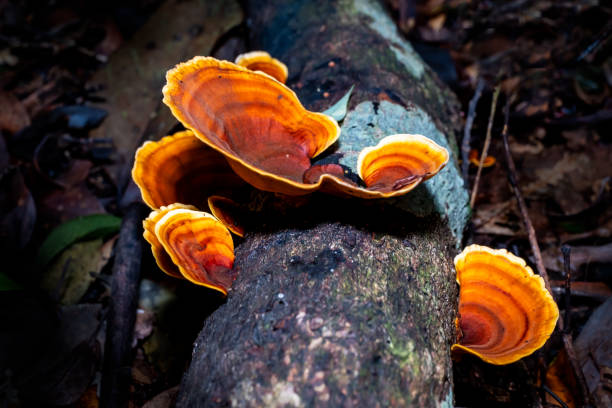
550 62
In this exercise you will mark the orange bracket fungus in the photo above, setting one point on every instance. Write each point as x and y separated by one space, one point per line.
262 61
181 169
191 244
474 158
269 139
505 312
400 162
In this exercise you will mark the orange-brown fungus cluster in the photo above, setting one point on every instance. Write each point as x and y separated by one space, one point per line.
269 138
262 61
191 244
505 312
245 125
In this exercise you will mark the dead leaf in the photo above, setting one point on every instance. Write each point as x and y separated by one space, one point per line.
62 205
593 349
580 255
519 149
112 40
13 115
495 219
89 399
165 399
71 356
75 174
597 291
18 210
69 276
145 320
136 70
560 379
437 22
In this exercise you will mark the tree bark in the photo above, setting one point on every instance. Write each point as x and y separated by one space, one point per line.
343 302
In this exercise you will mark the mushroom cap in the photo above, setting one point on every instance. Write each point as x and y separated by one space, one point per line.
181 169
398 163
191 244
505 311
262 61
257 122
474 159
268 138
159 253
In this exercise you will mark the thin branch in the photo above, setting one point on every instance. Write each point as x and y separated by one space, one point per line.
122 314
568 345
533 241
565 249
485 148
467 130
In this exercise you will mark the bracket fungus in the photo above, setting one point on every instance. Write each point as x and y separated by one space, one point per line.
262 61
398 163
269 138
181 169
191 244
505 311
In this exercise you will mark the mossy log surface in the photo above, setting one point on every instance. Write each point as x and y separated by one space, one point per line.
343 302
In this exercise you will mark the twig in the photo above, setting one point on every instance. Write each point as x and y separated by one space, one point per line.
599 40
533 241
535 248
467 130
578 373
122 315
565 249
485 148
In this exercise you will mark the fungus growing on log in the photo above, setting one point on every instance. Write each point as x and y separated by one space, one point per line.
258 123
191 244
474 159
269 138
262 61
398 163
505 311
181 169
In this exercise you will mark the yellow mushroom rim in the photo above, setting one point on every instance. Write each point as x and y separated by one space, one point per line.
269 138
181 169
262 61
193 245
505 311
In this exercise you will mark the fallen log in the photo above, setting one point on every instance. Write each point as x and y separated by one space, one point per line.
343 302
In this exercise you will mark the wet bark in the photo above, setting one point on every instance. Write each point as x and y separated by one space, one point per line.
343 302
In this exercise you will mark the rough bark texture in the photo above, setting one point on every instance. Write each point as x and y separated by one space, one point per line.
343 302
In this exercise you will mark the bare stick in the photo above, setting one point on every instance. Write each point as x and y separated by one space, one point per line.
533 241
467 130
565 249
485 148
124 300
568 345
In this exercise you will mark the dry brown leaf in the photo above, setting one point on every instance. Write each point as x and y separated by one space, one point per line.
165 399
560 379
13 115
437 22
62 205
593 347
